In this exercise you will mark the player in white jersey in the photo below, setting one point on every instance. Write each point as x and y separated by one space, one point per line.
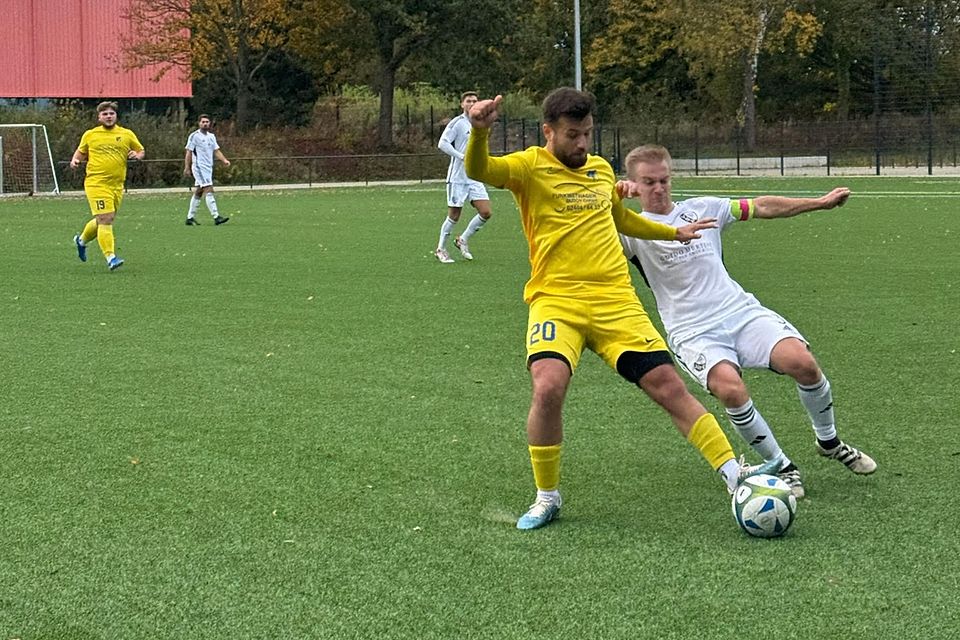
460 188
714 327
202 148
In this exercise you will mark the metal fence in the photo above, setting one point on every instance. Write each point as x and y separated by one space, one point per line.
917 146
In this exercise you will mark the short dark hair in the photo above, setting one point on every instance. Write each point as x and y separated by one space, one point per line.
463 96
202 116
106 104
569 102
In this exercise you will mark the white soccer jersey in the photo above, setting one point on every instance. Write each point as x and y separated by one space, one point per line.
453 142
693 289
202 145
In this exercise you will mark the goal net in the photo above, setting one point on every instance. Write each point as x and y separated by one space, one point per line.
26 164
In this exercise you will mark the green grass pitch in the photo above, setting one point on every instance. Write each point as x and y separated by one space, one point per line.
300 425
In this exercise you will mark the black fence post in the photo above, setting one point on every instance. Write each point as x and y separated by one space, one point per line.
431 124
504 122
738 132
539 144
617 151
696 150
828 161
782 133
523 133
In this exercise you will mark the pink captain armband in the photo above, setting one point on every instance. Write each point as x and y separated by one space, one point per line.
742 209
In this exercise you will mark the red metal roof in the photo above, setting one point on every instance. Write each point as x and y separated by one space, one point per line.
66 49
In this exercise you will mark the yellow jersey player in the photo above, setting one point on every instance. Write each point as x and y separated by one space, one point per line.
580 294
106 149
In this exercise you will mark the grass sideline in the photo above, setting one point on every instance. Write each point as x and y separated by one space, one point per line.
300 425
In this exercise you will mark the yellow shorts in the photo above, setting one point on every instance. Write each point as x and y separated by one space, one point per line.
608 327
103 199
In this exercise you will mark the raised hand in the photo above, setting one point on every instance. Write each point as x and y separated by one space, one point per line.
485 112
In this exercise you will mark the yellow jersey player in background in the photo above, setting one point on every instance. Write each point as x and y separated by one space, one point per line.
106 149
580 294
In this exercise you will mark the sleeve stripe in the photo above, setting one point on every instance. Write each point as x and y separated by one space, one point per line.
742 209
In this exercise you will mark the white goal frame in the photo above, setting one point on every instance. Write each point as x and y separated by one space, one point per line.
39 158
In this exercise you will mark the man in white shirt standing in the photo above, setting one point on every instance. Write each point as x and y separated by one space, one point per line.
202 148
460 188
714 327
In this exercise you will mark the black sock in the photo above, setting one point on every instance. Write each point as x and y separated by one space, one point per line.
830 444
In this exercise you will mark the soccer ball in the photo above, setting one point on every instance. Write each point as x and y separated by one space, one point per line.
764 506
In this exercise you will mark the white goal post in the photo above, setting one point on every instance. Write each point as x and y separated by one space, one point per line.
26 163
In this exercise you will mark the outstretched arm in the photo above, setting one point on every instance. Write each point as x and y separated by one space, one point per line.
629 223
477 161
783 207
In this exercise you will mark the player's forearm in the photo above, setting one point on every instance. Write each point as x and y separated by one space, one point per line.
449 149
187 161
633 224
478 163
783 207
219 155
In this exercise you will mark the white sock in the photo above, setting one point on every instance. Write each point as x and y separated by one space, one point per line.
756 432
552 496
730 471
445 230
212 205
818 401
194 205
474 226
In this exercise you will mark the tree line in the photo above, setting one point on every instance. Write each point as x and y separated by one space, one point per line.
267 61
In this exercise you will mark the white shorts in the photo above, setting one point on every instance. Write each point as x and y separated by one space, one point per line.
202 177
460 193
746 339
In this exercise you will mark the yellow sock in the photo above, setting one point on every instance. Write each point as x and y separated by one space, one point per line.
89 231
105 239
546 466
707 436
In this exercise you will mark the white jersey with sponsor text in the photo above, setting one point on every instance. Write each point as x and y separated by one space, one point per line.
691 284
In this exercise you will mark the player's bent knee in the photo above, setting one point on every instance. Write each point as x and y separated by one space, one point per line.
633 365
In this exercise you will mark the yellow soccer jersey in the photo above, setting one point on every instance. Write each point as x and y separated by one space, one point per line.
106 151
570 218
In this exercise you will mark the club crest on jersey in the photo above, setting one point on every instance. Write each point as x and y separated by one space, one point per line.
700 364
592 174
688 216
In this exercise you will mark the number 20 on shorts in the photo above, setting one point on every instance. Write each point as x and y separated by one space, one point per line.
545 331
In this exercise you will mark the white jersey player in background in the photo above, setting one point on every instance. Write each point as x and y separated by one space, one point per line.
460 188
202 148
714 327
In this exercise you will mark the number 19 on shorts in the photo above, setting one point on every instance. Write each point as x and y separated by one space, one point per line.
543 332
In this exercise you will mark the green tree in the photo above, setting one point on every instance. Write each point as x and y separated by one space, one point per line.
722 43
197 37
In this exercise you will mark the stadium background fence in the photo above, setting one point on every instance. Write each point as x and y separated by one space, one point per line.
900 144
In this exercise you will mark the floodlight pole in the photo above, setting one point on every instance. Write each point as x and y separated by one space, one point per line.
576 44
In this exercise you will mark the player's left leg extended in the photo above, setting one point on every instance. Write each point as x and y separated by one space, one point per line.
792 357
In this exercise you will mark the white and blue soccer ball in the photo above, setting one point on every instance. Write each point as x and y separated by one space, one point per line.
764 506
